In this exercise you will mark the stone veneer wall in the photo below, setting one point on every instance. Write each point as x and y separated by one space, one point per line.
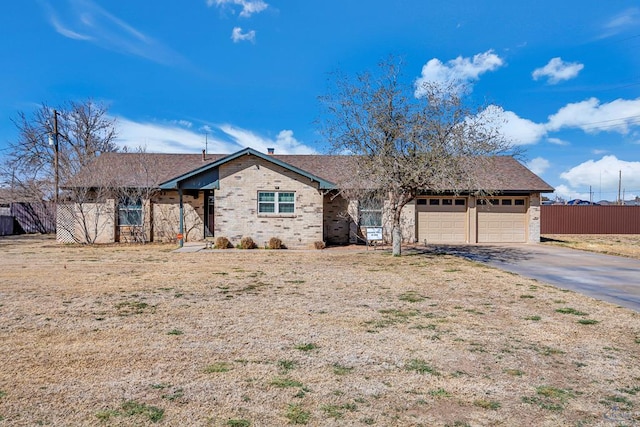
534 218
99 219
166 216
236 204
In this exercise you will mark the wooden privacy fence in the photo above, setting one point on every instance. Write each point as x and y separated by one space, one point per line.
589 219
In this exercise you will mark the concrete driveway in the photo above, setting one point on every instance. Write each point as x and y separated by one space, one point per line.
604 277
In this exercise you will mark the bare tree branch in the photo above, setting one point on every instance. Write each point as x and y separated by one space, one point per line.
403 146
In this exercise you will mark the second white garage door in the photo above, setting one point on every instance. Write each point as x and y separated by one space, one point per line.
442 220
503 221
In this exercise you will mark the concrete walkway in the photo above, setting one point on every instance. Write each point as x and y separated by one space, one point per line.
191 247
604 277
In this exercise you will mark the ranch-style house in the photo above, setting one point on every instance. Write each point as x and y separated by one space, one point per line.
158 197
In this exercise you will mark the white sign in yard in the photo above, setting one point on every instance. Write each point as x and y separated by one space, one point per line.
374 233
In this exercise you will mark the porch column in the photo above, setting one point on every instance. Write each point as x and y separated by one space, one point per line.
181 214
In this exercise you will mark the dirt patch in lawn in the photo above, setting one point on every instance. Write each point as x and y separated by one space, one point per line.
627 245
139 335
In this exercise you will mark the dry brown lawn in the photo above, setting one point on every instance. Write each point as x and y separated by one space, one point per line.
140 335
627 245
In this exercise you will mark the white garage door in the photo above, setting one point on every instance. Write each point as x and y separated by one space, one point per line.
442 220
503 221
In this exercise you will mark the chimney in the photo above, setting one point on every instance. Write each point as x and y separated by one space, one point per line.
270 151
204 155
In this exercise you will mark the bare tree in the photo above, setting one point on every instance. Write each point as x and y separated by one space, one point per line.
402 144
134 197
84 130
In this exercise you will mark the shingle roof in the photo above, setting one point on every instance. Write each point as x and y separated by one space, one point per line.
503 173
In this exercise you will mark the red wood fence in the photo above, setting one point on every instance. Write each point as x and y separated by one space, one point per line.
589 219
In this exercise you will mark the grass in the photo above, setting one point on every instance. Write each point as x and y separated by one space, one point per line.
297 351
238 423
420 366
132 408
306 346
218 367
296 414
569 310
281 382
487 404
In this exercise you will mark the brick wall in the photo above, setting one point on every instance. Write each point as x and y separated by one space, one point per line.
236 204
336 220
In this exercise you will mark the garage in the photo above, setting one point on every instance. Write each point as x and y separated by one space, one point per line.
502 220
442 220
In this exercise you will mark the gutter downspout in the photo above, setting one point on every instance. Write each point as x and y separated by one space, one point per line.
181 230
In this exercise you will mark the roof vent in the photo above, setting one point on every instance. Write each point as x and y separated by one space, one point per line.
270 151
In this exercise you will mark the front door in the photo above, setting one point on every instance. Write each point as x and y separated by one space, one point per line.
210 215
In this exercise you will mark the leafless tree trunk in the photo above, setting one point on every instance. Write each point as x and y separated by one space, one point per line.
403 145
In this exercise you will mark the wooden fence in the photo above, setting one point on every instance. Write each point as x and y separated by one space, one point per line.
34 217
589 219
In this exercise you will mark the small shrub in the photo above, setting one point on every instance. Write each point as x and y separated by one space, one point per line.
175 332
319 245
275 243
222 243
247 243
588 322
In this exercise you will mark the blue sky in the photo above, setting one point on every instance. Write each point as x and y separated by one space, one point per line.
566 74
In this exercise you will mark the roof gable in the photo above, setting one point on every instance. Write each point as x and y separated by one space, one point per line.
206 176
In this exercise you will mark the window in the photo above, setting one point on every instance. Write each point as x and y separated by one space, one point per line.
422 201
519 202
507 202
130 211
447 202
275 202
371 213
434 202
460 202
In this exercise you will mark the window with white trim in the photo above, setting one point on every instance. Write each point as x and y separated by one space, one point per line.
276 202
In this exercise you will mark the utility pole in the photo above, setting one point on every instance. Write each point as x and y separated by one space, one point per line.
619 186
54 141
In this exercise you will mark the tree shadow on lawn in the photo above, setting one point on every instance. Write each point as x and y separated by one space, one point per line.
478 253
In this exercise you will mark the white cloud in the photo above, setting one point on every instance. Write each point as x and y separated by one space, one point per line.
176 137
628 18
515 129
460 72
557 70
603 176
166 138
249 7
238 36
593 117
538 165
86 21
284 143
557 141
567 193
